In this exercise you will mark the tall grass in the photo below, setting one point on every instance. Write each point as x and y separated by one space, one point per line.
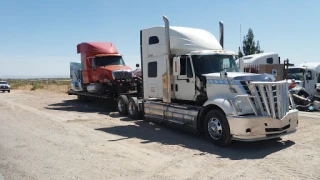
57 85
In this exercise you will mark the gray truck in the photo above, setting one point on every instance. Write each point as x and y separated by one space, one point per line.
4 86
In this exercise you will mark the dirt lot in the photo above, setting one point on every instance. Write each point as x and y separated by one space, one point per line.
52 136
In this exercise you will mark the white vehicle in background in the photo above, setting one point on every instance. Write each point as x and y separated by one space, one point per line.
253 61
261 58
315 66
302 78
4 86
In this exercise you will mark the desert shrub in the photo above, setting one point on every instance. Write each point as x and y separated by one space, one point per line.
36 86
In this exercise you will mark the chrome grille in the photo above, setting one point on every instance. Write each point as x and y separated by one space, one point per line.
269 98
122 75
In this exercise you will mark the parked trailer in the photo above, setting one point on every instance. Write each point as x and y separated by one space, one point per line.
186 82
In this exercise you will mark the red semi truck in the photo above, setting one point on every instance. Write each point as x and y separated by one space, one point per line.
101 73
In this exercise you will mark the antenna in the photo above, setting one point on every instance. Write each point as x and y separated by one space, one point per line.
240 39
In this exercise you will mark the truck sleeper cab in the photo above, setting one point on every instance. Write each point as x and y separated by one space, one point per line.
207 91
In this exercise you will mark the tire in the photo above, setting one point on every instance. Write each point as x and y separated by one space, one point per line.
215 120
122 105
133 109
9 91
82 98
3 91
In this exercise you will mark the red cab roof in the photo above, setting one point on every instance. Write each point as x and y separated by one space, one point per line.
95 48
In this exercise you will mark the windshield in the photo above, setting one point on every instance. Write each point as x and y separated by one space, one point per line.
295 73
3 83
109 60
205 64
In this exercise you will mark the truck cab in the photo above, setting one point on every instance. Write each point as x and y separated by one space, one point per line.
103 70
303 78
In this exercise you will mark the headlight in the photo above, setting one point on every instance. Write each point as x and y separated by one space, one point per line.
106 80
237 105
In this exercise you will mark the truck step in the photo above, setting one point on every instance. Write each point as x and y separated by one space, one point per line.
177 121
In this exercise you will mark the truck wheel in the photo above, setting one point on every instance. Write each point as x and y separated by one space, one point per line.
122 105
9 91
3 91
82 98
217 128
133 110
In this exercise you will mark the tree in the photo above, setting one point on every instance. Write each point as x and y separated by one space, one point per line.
249 46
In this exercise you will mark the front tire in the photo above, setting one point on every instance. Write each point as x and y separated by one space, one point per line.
122 105
217 128
9 91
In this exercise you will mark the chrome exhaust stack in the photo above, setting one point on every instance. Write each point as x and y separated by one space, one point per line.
221 33
166 84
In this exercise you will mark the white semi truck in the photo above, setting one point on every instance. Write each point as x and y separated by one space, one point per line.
314 66
306 76
261 58
190 80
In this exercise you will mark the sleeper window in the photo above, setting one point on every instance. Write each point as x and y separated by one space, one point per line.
269 61
153 40
152 69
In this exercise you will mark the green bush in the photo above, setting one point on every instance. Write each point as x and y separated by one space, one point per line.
36 86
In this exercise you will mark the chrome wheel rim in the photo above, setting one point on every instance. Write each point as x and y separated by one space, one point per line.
131 108
120 105
215 128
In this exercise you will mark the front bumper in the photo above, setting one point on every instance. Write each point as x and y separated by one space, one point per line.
4 89
254 128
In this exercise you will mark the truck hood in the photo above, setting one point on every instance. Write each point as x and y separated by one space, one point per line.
242 76
111 68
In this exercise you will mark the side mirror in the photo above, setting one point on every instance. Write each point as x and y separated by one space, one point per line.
241 65
137 65
223 74
176 66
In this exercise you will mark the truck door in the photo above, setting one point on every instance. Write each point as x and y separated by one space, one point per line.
310 81
93 70
185 82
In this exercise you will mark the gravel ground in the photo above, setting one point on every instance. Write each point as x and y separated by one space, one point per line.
52 136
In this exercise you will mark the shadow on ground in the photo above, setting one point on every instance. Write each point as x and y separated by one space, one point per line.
100 106
150 132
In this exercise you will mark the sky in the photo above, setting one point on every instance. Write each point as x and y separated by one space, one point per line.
39 38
